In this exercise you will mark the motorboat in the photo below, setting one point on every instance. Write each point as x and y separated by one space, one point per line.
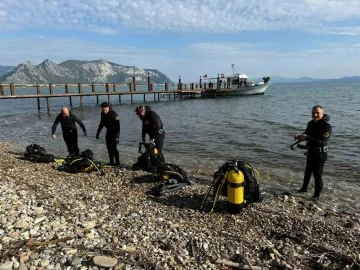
234 85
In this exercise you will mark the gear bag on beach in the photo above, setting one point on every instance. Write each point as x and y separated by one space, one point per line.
80 163
238 181
171 177
36 153
149 159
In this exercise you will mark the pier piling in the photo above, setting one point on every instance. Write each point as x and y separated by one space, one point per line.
149 83
48 104
38 93
134 83
80 92
51 88
12 90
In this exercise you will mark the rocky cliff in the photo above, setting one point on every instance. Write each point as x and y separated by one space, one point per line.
74 71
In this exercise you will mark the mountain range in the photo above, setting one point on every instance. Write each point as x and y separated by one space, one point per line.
75 71
101 71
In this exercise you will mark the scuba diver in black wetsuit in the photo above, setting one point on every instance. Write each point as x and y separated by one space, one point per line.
70 135
110 120
152 125
317 134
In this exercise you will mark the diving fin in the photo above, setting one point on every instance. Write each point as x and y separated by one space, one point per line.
106 166
164 188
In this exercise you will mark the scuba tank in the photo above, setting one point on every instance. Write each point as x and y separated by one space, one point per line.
163 176
235 190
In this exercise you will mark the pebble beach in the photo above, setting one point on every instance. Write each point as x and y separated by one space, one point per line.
52 219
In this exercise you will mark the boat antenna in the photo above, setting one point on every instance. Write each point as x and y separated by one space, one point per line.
233 70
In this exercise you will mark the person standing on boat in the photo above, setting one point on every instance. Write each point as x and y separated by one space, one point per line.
68 126
317 135
153 126
110 120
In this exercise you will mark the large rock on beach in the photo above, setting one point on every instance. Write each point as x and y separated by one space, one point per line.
103 261
50 219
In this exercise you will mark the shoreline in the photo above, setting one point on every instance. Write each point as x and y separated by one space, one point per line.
54 220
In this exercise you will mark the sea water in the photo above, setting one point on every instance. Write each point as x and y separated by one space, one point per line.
201 134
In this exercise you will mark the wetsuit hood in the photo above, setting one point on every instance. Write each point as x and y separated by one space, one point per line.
326 117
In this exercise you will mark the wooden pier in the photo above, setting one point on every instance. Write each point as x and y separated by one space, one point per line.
178 90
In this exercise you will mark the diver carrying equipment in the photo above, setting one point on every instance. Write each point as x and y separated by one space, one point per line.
148 159
37 154
238 181
172 177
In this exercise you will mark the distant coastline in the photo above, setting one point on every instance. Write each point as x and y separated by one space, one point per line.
274 79
278 79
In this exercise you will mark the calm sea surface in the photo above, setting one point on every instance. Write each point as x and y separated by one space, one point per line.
201 134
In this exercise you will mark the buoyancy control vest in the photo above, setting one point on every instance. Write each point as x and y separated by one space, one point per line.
171 172
36 153
171 176
238 181
148 159
81 163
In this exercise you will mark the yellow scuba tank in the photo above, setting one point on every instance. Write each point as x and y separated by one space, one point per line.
163 176
235 190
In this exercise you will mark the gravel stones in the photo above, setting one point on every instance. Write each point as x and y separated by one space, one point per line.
54 220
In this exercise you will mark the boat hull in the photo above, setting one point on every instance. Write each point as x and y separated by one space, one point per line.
242 91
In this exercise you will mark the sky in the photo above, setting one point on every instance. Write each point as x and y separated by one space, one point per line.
188 38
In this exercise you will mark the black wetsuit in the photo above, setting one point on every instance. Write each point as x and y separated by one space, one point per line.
153 126
111 121
69 131
318 134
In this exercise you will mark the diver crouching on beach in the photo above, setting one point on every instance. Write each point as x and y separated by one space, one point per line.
153 126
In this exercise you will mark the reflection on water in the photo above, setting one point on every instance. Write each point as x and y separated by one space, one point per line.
201 134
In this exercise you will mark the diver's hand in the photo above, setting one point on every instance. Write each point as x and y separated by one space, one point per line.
152 141
53 137
85 133
97 136
303 137
117 140
300 137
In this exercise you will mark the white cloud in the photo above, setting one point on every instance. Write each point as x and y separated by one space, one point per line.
121 17
213 16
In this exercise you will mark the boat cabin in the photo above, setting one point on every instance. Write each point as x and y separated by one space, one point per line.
237 80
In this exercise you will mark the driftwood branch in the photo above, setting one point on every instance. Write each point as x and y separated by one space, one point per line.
33 243
238 265
285 235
